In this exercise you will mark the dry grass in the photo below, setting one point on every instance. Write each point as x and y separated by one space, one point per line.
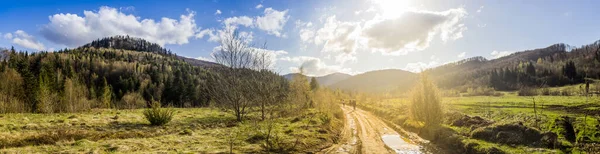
126 131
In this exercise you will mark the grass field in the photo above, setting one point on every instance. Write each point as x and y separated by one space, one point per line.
198 130
511 108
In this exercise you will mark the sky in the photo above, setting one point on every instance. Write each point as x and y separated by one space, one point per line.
322 37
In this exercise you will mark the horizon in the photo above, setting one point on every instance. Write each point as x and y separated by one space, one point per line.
322 36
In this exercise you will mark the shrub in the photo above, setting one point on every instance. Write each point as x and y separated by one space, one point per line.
508 134
546 91
158 116
132 100
527 92
482 91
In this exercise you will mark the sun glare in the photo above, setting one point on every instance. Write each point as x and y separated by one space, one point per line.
392 8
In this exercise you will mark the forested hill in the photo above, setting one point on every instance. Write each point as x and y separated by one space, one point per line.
555 65
138 44
128 74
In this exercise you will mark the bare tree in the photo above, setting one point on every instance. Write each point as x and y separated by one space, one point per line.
237 53
246 81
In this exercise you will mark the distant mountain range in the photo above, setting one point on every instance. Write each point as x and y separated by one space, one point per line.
326 80
374 81
555 65
378 81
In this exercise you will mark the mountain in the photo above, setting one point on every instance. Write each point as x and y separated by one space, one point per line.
291 76
555 65
331 79
326 80
141 45
197 62
116 72
378 81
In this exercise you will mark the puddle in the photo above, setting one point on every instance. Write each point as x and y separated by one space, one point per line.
347 147
400 145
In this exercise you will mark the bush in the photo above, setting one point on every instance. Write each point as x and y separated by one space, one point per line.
527 92
482 91
158 116
508 134
132 100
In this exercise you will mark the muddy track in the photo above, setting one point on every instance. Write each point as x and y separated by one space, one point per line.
365 133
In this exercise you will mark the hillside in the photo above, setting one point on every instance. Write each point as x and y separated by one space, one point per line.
555 65
141 45
116 72
326 80
333 78
378 81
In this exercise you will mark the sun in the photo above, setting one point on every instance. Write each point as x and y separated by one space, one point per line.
392 8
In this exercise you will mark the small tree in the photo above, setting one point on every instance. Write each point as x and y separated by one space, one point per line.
300 90
426 103
106 95
314 85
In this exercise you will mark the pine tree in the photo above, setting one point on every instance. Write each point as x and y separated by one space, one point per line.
530 69
569 70
106 95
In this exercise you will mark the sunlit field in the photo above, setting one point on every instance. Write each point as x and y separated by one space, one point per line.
507 109
300 76
202 130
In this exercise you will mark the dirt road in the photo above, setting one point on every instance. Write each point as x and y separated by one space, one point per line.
365 133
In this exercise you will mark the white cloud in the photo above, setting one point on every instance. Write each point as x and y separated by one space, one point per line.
338 37
205 32
8 36
313 66
271 55
218 12
258 6
306 35
242 20
217 35
497 54
306 32
413 30
462 55
480 8
74 30
23 39
481 25
273 21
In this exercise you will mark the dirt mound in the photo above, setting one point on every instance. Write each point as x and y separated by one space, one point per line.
468 121
508 134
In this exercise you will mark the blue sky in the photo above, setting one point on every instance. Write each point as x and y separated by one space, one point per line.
350 36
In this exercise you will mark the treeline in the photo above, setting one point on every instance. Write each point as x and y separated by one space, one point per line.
556 65
128 43
87 77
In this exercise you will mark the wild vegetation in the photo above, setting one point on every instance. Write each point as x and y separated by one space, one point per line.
508 123
88 99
